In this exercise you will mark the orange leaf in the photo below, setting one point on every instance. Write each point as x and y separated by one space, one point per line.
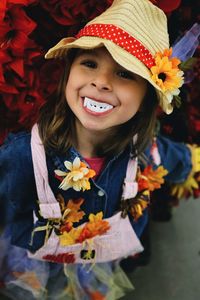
143 183
97 228
154 177
75 214
92 229
83 165
75 204
90 174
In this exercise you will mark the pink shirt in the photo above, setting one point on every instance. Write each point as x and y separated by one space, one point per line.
96 163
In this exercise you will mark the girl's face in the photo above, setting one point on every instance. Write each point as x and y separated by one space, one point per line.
101 93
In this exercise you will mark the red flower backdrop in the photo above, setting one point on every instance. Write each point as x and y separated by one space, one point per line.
18 76
29 27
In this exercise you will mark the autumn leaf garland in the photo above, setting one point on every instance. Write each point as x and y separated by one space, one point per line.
148 180
151 179
72 213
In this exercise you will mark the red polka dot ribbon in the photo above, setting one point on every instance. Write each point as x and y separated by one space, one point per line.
120 38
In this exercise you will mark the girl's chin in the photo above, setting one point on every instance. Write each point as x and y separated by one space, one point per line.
96 127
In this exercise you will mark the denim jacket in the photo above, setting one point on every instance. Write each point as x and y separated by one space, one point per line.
18 189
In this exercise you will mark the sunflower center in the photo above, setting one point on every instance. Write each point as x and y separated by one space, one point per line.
162 76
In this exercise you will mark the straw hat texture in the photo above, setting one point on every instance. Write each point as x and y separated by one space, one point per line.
133 31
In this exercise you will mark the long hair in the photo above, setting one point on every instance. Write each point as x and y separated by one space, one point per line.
57 122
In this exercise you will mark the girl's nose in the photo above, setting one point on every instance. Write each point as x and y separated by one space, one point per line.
102 82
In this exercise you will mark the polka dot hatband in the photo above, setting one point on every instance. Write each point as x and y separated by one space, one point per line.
120 38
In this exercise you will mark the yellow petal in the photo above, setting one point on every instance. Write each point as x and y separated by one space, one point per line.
60 173
68 165
65 184
94 218
77 175
77 186
76 163
69 238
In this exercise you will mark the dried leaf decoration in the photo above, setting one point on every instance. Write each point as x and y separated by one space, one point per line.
183 189
71 237
139 205
148 180
75 214
95 226
72 211
135 206
151 179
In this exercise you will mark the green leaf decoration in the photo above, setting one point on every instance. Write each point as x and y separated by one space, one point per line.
188 64
177 101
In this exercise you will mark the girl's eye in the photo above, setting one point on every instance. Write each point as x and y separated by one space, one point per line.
89 63
126 75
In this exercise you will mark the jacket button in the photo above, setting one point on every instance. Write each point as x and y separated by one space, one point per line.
100 193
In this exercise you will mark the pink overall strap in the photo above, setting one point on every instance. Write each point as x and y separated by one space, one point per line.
130 186
49 206
155 153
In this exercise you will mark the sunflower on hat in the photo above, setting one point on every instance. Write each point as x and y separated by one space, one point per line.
167 74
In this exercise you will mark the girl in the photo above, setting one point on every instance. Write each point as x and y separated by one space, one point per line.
77 188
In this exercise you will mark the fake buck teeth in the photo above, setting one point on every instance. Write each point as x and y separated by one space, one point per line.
96 106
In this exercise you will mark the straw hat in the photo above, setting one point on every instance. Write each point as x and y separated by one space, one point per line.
135 34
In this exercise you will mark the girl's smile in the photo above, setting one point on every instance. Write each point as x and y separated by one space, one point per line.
101 93
96 107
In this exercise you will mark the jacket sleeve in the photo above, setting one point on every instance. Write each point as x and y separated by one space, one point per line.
17 187
176 158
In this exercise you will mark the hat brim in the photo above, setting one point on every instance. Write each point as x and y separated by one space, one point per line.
121 56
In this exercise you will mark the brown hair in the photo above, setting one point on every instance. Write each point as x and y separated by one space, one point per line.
57 122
